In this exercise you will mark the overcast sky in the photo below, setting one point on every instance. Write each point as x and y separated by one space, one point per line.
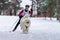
24 2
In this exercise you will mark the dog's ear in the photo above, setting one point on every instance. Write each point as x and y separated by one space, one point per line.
26 15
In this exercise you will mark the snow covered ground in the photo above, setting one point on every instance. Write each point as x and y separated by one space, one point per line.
40 29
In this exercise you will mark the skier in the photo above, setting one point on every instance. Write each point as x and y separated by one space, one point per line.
22 13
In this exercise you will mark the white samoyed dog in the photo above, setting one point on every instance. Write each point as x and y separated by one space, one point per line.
25 23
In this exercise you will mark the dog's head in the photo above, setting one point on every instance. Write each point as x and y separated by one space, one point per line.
26 15
25 22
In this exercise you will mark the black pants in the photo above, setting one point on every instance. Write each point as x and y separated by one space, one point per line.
17 23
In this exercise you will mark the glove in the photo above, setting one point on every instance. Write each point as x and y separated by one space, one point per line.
31 9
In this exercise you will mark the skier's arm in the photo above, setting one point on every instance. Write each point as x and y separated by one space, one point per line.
31 12
20 13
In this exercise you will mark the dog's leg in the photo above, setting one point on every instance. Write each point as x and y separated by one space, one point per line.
24 29
27 29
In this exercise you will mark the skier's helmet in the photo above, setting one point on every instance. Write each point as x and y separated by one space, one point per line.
27 6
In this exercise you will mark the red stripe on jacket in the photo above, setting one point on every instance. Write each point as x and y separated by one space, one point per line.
31 12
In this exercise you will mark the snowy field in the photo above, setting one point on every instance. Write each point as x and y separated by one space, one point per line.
40 29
